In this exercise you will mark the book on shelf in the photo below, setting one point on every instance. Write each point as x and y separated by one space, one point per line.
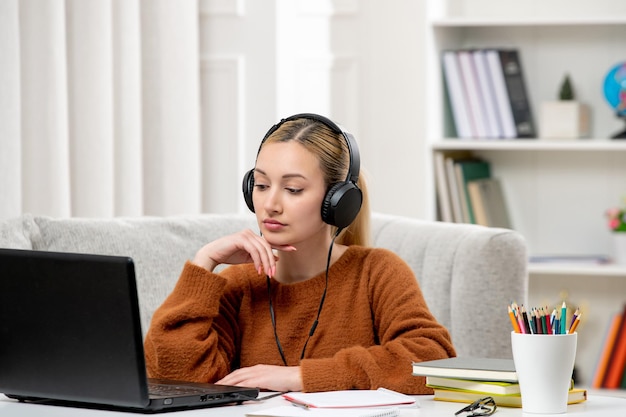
457 95
467 170
487 93
575 396
485 387
454 190
450 188
444 198
474 93
488 202
487 369
485 83
570 259
617 359
603 360
506 67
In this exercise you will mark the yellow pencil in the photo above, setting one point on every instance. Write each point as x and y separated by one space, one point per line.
513 321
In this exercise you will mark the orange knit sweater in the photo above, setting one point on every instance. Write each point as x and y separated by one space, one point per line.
374 323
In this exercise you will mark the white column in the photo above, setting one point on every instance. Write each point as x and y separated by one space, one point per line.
44 107
171 106
10 130
90 79
127 128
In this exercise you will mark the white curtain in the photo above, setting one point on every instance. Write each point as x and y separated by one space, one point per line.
99 108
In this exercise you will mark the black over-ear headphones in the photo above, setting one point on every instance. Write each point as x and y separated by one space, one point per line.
343 200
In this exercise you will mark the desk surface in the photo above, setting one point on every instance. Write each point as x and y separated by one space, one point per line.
596 405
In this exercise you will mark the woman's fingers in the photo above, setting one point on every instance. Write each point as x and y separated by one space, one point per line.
242 247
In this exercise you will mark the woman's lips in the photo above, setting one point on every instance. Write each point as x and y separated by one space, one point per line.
273 225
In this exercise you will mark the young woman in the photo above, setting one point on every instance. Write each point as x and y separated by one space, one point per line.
297 310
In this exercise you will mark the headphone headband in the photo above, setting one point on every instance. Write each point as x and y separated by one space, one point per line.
353 150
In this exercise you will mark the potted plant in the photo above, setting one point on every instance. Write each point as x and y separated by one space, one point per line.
617 224
565 118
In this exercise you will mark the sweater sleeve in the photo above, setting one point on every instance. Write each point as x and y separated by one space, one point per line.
193 335
406 330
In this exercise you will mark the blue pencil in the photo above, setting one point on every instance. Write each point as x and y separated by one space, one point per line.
563 318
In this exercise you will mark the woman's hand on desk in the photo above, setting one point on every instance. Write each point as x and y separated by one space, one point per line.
269 377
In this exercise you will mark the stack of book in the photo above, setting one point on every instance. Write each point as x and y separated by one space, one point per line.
467 192
467 379
487 94
610 369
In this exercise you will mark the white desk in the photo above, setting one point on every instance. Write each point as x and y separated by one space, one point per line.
596 406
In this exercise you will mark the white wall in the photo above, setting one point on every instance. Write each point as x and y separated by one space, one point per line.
357 61
119 122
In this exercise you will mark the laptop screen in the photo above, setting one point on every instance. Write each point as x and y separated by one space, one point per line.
70 328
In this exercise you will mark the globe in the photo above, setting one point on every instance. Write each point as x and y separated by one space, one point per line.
615 92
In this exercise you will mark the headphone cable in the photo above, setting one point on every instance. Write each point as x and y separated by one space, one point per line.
319 310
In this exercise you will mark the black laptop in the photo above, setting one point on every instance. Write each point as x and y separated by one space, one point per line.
70 333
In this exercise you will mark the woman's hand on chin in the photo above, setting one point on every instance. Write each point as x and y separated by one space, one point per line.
269 377
240 248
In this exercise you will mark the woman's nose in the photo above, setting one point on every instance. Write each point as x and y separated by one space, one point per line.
272 201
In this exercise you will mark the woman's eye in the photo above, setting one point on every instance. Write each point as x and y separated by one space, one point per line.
260 187
294 190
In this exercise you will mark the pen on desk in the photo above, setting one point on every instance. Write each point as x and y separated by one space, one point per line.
303 406
572 328
513 320
563 321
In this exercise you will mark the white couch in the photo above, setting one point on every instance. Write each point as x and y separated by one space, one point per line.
468 273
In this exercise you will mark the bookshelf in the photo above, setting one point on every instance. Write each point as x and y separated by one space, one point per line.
557 190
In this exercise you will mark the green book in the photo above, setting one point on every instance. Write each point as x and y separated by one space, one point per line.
470 170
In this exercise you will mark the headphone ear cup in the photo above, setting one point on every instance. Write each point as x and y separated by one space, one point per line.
342 204
247 187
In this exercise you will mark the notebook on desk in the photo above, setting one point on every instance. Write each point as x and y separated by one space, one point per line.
70 333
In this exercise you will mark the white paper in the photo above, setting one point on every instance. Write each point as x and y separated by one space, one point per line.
292 411
351 398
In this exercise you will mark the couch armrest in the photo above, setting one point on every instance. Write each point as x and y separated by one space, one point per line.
468 275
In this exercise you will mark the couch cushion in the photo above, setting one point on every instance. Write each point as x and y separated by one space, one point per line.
15 233
159 246
468 275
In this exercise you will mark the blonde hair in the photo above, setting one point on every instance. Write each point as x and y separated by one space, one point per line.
331 150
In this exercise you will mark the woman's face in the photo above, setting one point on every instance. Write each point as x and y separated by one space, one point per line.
288 193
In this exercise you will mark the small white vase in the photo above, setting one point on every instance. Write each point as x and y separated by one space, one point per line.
619 248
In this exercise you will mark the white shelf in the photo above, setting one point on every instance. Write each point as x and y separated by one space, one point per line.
583 145
556 190
461 22
605 270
